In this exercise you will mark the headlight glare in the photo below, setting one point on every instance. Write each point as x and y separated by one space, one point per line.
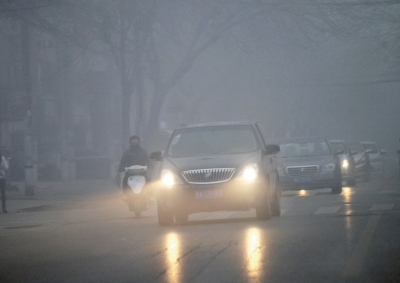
168 178
248 173
345 164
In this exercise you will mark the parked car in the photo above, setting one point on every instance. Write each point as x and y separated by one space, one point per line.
217 166
361 160
309 164
375 158
347 164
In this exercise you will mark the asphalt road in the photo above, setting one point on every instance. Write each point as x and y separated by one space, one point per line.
320 237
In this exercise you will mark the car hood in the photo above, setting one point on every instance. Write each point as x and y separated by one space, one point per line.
210 161
305 161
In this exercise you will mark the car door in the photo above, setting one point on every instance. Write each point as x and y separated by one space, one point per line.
269 160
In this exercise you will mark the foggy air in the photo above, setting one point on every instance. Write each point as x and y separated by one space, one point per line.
80 79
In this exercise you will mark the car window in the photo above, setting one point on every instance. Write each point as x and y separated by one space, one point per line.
355 147
212 140
311 148
338 146
371 146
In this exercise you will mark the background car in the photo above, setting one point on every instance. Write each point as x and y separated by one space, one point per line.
347 164
308 164
375 158
361 160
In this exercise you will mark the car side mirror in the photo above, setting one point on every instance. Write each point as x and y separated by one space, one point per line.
339 151
156 155
272 149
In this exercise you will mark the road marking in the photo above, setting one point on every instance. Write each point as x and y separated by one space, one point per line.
382 207
354 265
326 210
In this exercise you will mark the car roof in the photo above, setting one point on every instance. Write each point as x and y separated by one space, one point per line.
341 141
368 142
305 139
215 124
352 142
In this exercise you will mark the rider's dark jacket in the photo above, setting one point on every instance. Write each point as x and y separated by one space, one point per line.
134 155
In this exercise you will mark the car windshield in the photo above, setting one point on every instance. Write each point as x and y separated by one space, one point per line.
356 147
212 140
371 146
338 146
300 149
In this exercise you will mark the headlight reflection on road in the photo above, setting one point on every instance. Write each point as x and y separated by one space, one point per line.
346 194
255 253
172 243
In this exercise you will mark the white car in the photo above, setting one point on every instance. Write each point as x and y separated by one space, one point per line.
375 157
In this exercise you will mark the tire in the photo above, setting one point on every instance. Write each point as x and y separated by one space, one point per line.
138 213
181 217
165 216
276 202
263 210
337 187
137 207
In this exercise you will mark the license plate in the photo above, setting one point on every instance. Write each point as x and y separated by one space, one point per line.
303 180
202 194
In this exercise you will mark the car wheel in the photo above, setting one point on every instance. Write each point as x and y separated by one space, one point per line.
181 217
165 215
276 203
263 210
137 207
337 187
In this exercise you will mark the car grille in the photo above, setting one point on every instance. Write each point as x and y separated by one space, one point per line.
208 176
302 170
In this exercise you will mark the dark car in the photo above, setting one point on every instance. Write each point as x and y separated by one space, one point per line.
361 160
308 164
347 163
216 167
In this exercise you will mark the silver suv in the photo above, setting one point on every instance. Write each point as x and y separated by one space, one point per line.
217 166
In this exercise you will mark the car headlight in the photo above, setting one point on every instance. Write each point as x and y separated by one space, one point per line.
248 173
281 171
169 179
328 167
345 164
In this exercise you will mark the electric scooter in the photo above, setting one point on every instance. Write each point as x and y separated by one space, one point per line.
137 197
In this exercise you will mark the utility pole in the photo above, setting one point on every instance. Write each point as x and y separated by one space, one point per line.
29 149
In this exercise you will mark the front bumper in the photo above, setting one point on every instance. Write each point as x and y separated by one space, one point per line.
216 197
313 182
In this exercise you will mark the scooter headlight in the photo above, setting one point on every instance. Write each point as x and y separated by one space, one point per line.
248 173
169 179
345 164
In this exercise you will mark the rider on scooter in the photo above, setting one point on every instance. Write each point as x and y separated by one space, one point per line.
134 155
